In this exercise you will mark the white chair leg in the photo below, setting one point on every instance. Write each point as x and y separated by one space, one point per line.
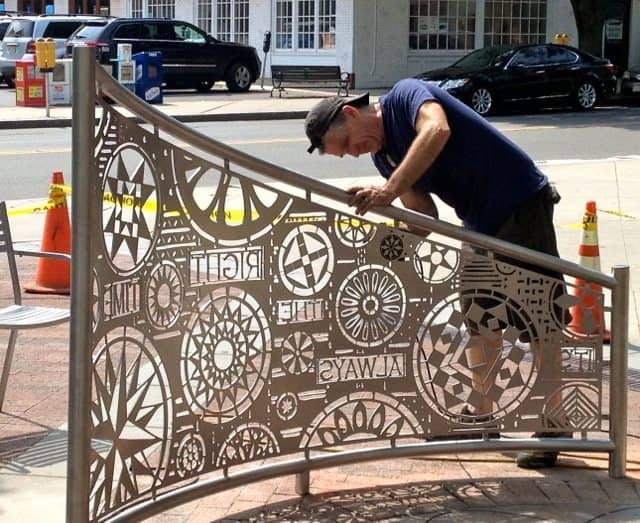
7 365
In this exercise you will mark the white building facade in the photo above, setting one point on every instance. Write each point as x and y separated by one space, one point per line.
378 41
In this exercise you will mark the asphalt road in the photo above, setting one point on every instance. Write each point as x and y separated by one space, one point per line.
28 156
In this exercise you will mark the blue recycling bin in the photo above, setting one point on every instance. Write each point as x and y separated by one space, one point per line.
149 76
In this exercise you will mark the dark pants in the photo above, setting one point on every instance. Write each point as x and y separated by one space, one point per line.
530 225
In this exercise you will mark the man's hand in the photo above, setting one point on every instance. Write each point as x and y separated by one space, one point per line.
365 198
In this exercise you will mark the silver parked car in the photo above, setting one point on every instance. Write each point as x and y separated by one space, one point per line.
631 82
23 31
5 22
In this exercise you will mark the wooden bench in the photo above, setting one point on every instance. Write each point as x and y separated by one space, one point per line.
308 74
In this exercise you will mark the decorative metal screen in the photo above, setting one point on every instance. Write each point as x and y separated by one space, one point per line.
236 322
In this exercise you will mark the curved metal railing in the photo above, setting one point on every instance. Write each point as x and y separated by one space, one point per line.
222 326
190 136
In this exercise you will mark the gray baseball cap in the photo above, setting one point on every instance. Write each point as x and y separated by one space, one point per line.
323 113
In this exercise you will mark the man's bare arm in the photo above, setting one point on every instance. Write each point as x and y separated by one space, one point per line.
433 131
420 202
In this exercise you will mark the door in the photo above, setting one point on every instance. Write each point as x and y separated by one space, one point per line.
526 75
564 71
196 55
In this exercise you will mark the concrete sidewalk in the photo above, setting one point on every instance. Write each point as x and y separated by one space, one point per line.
456 487
217 105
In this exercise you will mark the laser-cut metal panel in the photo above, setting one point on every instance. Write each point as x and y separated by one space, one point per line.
234 323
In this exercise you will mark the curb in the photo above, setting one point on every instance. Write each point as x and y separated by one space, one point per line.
186 118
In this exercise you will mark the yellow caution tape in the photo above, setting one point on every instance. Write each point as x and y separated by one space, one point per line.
620 213
58 192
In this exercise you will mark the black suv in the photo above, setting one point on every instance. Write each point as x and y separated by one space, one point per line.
191 58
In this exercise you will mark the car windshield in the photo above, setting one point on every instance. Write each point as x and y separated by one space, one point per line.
88 32
484 57
20 28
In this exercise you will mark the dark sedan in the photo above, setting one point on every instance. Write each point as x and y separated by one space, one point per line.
547 73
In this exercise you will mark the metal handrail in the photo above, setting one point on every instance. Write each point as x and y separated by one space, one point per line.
108 85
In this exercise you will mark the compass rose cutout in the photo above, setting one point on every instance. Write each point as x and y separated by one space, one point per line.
129 209
226 354
306 260
435 263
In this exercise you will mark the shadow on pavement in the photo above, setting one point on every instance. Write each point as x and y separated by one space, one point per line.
19 454
490 500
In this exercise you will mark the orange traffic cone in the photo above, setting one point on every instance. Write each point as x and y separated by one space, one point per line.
587 315
53 276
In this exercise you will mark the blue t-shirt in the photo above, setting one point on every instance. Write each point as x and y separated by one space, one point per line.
482 174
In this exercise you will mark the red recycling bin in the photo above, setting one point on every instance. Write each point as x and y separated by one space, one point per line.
30 84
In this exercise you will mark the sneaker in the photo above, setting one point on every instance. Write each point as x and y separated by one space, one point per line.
538 459
479 418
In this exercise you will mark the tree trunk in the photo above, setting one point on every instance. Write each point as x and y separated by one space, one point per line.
590 17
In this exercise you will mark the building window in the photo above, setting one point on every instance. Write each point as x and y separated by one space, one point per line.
442 24
155 8
231 21
284 24
451 24
162 8
204 18
515 22
327 24
305 24
136 9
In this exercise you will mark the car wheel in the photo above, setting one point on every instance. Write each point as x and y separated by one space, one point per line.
10 82
482 101
238 77
586 96
204 86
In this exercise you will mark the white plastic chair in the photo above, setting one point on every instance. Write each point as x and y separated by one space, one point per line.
17 316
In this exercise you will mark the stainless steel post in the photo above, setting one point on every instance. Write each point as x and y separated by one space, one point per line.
619 363
83 200
303 480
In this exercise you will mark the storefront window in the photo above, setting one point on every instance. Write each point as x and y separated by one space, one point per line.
515 22
161 8
232 20
137 9
442 24
204 17
305 24
153 8
327 24
451 24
